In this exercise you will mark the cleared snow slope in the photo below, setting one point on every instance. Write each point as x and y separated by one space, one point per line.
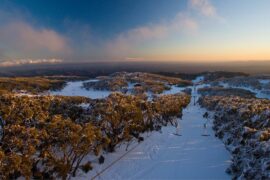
167 156
74 88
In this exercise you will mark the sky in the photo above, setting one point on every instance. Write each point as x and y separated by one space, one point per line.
39 31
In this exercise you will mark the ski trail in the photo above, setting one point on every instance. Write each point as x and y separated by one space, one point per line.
166 156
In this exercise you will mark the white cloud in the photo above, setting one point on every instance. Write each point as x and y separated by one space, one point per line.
205 7
134 58
18 62
126 42
23 39
19 38
185 22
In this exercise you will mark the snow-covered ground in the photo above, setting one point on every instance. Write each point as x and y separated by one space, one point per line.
167 156
174 89
162 155
198 79
74 88
258 93
264 81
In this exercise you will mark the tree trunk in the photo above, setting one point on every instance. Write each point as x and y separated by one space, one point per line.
2 126
77 166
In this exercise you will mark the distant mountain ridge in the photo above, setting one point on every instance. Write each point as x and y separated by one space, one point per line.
92 69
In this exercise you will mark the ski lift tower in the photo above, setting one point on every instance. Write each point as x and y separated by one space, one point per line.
194 99
177 132
194 96
205 131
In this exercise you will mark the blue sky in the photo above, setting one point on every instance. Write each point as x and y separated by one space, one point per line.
130 30
106 17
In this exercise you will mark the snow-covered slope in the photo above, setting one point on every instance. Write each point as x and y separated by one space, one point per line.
258 93
74 88
256 85
167 156
163 155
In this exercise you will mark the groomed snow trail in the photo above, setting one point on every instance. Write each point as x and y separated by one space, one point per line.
167 156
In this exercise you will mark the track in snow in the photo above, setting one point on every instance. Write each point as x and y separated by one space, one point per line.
166 156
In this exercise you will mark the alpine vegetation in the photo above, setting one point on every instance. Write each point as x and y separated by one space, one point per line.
51 136
244 126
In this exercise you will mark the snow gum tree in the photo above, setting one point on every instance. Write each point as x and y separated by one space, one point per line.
71 142
50 136
244 126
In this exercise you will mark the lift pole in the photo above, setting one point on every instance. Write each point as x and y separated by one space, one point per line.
194 98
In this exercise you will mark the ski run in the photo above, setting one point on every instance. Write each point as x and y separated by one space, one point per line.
195 153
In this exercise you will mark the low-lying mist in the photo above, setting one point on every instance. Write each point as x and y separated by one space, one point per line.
92 69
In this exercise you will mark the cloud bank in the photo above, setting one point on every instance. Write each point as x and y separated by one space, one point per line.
126 42
184 23
22 39
18 62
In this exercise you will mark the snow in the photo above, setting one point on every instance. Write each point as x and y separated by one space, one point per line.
162 155
198 79
249 158
174 89
84 105
26 94
167 156
75 89
130 86
264 81
258 93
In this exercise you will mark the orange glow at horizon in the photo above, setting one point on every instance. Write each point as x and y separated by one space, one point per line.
212 55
